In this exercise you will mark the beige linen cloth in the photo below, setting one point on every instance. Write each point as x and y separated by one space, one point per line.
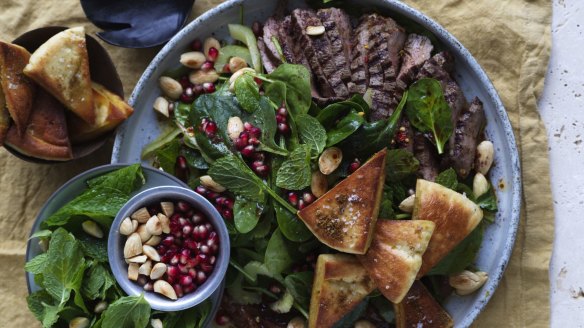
510 39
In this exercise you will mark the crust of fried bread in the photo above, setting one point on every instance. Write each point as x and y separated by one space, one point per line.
61 66
4 118
395 255
420 309
18 89
455 217
46 134
340 284
110 111
345 216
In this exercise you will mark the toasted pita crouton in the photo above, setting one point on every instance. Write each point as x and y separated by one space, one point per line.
420 309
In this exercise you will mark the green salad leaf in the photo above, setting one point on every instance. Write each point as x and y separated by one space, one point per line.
295 173
448 179
280 254
312 133
400 164
97 282
127 312
41 305
246 214
299 284
344 128
37 264
265 118
291 226
428 110
296 79
462 256
232 173
247 93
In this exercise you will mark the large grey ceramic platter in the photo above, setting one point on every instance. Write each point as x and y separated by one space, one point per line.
499 239
75 187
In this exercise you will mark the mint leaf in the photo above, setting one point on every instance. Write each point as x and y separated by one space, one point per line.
295 173
37 264
169 132
247 93
233 174
299 284
94 248
124 180
40 304
448 179
167 154
127 312
488 200
97 281
428 110
399 165
311 132
344 128
246 215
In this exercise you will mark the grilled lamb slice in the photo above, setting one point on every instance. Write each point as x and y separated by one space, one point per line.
325 64
359 57
268 61
463 145
417 50
272 30
338 28
438 67
425 153
455 99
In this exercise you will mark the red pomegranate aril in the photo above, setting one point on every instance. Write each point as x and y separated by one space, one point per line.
178 290
229 203
201 277
174 260
212 195
168 240
206 267
301 204
282 111
196 45
201 190
242 141
204 249
222 320
187 230
214 248
161 249
172 271
198 89
201 258
189 289
192 262
208 87
308 198
258 81
354 165
220 200
197 218
247 126
293 198
183 268
181 169
171 280
190 244
227 213
212 260
213 53
177 234
183 206
248 151
226 68
281 119
283 128
254 141
262 170
255 132
207 66
186 280
213 238
188 96
192 273
184 82
210 129
209 227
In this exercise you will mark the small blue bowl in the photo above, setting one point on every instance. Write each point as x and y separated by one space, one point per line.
116 243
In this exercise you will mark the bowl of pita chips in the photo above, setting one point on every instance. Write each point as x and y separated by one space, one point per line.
60 95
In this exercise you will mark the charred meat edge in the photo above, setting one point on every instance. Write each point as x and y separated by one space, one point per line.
465 139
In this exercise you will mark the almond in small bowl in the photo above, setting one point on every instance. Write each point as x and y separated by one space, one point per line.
171 244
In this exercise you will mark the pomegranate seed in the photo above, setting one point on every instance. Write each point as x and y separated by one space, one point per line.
282 111
213 238
259 156
188 96
354 165
247 126
148 287
178 290
198 218
226 68
198 89
210 129
204 249
221 320
263 170
209 226
175 217
201 190
212 260
168 240
181 170
201 277
178 241
214 248
208 87
275 289
283 128
161 249
229 203
189 289
187 230
254 141
172 271
212 195
193 273
183 206
186 280
227 213
184 82
186 252
207 66
206 267
170 280
293 198
193 262
281 118
242 140
196 45
190 244
248 151
301 204
201 258
174 260
255 132
258 81
213 53
308 198
220 201
183 268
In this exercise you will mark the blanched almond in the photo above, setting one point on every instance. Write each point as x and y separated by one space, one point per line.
145 268
92 229
133 271
234 127
315 30
200 76
154 226
297 322
161 105
100 307
329 160
151 253
193 59
141 215
135 225
209 183
236 63
154 241
133 246
467 282
158 270
156 323
79 322
318 184
170 87
164 222
167 209
480 185
407 205
126 227
138 259
484 157
143 233
164 288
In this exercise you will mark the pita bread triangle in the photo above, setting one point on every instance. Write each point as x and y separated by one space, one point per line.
395 255
345 216
17 88
420 309
340 284
45 136
61 66
455 217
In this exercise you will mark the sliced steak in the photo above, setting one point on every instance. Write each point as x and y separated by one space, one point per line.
464 142
325 64
417 51
455 99
359 56
438 67
425 152
272 30
270 63
338 28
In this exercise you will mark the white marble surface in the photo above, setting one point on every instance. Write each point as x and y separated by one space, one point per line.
562 109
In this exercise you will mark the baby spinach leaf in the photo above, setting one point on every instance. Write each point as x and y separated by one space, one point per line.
448 179
344 128
194 317
462 256
295 174
194 158
127 312
255 268
64 267
311 132
246 214
265 119
247 93
428 110
299 284
333 112
218 107
276 93
232 173
290 226
244 297
280 254
296 79
399 165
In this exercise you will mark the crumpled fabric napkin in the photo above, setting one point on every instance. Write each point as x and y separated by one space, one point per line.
511 39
